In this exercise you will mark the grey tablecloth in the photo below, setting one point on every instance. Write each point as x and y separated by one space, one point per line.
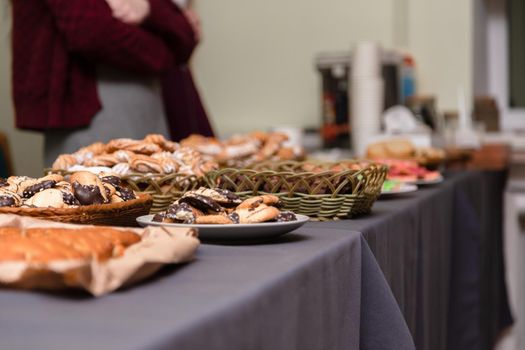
440 251
410 237
319 288
315 289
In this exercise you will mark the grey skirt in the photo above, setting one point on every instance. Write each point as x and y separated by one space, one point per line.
131 107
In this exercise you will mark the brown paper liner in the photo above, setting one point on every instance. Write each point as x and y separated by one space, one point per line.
159 246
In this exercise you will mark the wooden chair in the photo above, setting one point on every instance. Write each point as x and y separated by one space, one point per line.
6 162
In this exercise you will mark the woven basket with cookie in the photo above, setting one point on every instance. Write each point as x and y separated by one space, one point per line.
165 169
245 150
82 197
322 191
155 166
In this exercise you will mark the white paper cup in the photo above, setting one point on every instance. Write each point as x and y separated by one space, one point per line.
366 59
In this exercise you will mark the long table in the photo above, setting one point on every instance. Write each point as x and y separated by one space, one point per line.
320 287
310 290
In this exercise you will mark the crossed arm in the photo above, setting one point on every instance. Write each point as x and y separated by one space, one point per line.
90 29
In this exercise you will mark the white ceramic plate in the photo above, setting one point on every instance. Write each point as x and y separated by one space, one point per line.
435 181
235 232
405 188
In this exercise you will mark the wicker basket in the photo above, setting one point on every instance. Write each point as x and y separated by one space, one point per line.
116 214
163 189
323 195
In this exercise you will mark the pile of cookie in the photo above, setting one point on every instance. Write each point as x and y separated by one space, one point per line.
43 245
81 188
152 155
218 206
243 150
195 155
405 150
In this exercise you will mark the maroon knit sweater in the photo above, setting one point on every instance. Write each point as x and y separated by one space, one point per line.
57 43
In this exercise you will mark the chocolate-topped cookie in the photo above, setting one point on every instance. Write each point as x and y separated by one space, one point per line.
225 198
69 198
88 188
112 180
262 213
286 216
9 199
49 198
123 194
88 194
30 189
180 212
110 189
206 204
126 194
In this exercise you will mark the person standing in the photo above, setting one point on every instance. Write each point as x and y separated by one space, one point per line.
88 70
183 105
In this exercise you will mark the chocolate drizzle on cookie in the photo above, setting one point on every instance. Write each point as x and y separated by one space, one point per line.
232 198
286 216
234 217
69 198
180 212
87 194
126 194
82 188
201 202
30 191
7 201
112 180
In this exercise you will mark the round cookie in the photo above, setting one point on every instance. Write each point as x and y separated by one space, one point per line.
262 213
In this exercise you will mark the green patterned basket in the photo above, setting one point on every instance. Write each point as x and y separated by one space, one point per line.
164 189
322 194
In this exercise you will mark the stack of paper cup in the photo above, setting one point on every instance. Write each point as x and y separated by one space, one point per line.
366 95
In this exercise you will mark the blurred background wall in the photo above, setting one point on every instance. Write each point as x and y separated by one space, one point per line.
441 40
255 66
